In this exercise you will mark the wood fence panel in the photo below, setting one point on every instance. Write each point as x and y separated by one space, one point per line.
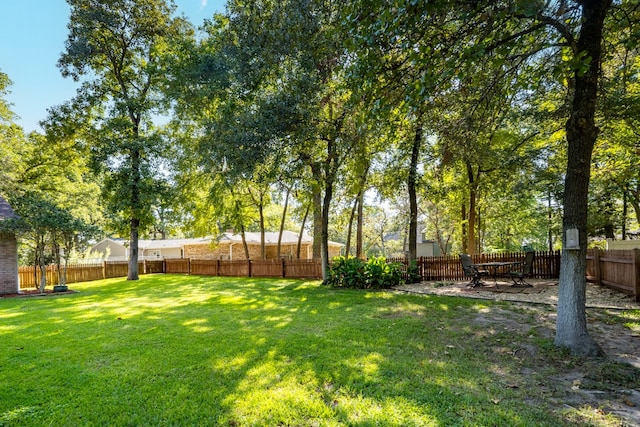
267 268
303 269
115 269
177 265
28 276
546 265
204 267
615 269
154 266
234 268
25 277
77 273
29 279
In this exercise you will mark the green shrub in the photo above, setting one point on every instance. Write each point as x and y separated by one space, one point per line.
375 273
413 273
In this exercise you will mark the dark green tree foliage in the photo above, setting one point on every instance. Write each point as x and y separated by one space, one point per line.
274 96
44 224
617 152
116 48
554 41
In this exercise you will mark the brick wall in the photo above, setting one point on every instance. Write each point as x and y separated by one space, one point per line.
8 264
221 251
206 251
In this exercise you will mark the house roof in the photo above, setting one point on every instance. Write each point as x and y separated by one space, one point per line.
270 238
172 243
158 244
6 211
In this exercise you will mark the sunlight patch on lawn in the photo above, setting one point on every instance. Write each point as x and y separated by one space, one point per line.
402 309
278 321
15 415
226 365
10 315
286 402
368 366
198 325
363 410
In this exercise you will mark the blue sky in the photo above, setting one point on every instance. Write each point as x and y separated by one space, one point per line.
32 36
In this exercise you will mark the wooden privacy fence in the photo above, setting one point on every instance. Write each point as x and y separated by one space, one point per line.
615 269
30 276
546 264
294 269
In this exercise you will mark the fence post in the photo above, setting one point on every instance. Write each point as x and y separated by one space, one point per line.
596 266
636 273
104 269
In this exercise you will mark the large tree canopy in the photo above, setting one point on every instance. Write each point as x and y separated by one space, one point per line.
116 49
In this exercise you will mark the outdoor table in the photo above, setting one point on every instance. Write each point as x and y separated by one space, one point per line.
495 266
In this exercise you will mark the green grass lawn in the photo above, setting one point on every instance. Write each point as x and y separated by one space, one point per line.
185 350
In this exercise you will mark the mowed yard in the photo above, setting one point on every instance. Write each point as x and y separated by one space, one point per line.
187 350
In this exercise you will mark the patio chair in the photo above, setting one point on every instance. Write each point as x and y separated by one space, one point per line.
472 271
519 275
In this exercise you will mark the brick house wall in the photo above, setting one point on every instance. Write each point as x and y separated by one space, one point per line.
221 251
8 264
206 251
9 283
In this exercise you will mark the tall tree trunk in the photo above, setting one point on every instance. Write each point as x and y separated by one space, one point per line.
282 220
625 208
41 265
411 186
550 220
571 326
473 195
64 270
635 203
360 225
328 195
56 254
245 246
317 209
304 221
347 248
133 250
463 212
329 173
263 245
135 207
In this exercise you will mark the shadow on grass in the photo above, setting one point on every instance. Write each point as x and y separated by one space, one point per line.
187 350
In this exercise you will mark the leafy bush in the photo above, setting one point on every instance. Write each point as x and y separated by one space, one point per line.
375 273
413 273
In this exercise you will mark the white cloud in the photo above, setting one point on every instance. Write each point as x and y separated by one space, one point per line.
203 4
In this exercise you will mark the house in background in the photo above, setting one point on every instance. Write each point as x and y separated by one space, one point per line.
110 250
632 242
426 247
118 249
228 247
9 283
